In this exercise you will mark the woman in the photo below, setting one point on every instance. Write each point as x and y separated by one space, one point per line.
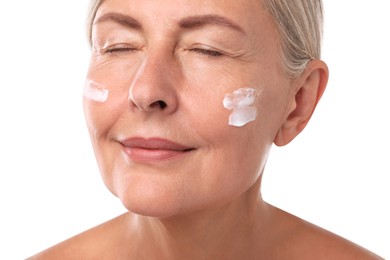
183 102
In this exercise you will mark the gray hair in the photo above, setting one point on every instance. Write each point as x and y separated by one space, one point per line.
300 25
92 10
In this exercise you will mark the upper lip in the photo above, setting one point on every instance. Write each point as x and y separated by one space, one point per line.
154 144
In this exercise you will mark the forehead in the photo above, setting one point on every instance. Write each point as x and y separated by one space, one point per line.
247 14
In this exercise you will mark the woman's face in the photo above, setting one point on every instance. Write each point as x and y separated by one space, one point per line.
159 128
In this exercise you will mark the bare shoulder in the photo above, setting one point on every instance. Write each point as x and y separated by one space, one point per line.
308 241
91 244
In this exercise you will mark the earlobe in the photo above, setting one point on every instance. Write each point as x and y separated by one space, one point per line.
310 86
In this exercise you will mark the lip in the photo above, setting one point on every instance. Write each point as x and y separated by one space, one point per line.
151 150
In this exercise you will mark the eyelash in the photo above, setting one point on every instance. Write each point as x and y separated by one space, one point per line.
117 50
112 50
206 52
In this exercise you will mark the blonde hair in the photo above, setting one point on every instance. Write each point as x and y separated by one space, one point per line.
300 25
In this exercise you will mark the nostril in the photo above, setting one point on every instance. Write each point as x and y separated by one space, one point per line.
162 104
158 104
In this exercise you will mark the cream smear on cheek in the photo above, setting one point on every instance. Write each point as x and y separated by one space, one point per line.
95 91
240 102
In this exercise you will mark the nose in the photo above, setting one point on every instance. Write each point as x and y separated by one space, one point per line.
154 87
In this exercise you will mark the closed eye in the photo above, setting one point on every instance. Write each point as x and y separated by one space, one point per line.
118 49
207 52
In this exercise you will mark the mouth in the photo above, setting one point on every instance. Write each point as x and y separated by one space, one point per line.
153 149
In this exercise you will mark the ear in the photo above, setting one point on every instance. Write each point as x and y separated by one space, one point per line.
308 89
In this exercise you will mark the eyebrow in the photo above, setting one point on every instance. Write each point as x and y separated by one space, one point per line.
186 23
203 20
122 19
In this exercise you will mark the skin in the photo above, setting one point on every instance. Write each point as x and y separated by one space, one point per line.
207 203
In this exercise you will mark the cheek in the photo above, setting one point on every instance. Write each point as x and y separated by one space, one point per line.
101 117
202 99
227 143
96 118
203 112
242 105
106 93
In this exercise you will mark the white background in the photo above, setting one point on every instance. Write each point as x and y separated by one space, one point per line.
335 174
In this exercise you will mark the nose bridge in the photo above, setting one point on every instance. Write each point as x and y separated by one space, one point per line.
153 87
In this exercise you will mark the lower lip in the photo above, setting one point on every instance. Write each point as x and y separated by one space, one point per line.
150 155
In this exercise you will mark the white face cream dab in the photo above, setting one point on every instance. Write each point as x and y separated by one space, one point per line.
95 92
240 102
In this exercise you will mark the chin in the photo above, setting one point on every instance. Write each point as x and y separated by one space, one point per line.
167 205
153 209
154 202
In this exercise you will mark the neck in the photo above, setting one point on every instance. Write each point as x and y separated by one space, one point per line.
228 229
